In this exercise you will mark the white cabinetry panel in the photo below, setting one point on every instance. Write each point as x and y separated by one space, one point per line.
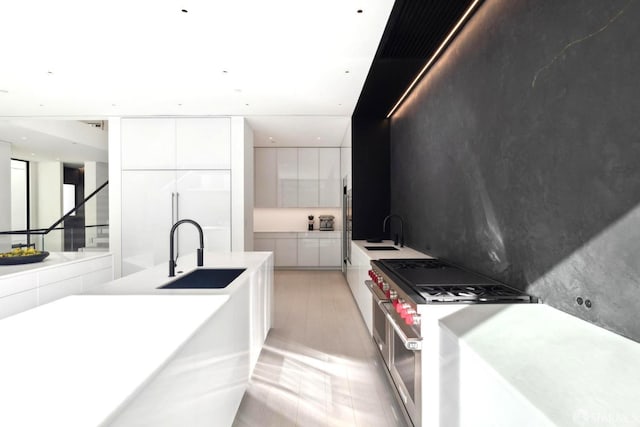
203 143
148 143
308 159
330 252
266 188
148 199
308 252
205 197
329 178
286 254
17 303
287 176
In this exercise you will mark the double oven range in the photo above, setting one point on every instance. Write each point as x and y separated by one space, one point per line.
409 298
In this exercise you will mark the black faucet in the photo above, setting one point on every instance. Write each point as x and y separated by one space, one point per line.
384 229
172 262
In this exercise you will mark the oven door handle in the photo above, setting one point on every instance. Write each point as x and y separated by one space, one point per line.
371 286
413 344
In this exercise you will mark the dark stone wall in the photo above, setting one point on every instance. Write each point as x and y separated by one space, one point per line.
518 155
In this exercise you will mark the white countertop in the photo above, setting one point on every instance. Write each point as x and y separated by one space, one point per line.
74 361
147 281
54 259
571 371
401 252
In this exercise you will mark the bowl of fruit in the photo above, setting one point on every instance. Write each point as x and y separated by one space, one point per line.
22 256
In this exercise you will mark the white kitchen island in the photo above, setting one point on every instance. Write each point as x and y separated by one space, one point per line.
130 354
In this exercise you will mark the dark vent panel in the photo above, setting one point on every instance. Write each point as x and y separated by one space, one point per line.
415 30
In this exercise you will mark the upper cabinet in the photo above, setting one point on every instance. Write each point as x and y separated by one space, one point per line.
189 143
287 177
297 177
308 159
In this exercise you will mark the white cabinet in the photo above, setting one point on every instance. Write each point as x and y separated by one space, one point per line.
186 175
308 162
329 252
308 252
148 143
301 249
154 200
18 303
265 190
297 177
329 188
286 253
203 143
198 143
287 177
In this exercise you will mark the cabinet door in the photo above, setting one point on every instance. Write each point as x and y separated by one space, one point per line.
308 252
148 143
287 176
205 197
308 177
203 143
266 164
330 253
147 216
18 303
264 245
286 253
329 177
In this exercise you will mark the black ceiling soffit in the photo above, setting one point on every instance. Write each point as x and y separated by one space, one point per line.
415 30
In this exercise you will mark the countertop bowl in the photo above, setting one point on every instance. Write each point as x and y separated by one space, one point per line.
26 259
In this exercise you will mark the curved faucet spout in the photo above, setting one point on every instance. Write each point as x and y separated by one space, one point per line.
172 261
384 228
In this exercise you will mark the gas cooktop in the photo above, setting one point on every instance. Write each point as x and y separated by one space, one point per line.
437 281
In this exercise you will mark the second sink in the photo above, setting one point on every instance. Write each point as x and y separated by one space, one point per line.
205 278
381 248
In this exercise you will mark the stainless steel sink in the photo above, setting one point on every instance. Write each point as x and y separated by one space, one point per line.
381 248
205 278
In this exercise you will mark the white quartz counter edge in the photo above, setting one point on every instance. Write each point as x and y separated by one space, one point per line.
401 252
74 361
573 372
148 281
53 260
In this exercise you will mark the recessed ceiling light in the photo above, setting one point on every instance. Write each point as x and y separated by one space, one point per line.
238 90
347 72
50 72
246 105
271 138
318 138
33 154
225 71
359 10
58 158
184 11
24 138
179 105
42 105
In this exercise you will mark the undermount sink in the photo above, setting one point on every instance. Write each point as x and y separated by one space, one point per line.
381 248
205 278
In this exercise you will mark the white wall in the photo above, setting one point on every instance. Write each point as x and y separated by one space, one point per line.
5 195
18 199
248 187
96 210
345 156
115 193
48 201
292 219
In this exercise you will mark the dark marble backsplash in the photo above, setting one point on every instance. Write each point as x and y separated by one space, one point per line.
518 156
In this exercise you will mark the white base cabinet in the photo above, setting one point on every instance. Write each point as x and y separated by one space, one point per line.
302 249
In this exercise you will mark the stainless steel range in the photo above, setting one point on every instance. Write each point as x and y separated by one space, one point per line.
410 296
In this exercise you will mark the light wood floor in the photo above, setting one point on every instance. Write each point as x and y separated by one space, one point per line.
319 366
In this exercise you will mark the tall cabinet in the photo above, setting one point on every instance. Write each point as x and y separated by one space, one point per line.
174 168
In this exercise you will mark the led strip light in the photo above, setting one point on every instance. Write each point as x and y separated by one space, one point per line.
434 56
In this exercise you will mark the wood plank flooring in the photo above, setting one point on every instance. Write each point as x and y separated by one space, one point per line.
319 367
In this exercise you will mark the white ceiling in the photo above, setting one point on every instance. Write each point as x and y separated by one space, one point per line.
254 58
